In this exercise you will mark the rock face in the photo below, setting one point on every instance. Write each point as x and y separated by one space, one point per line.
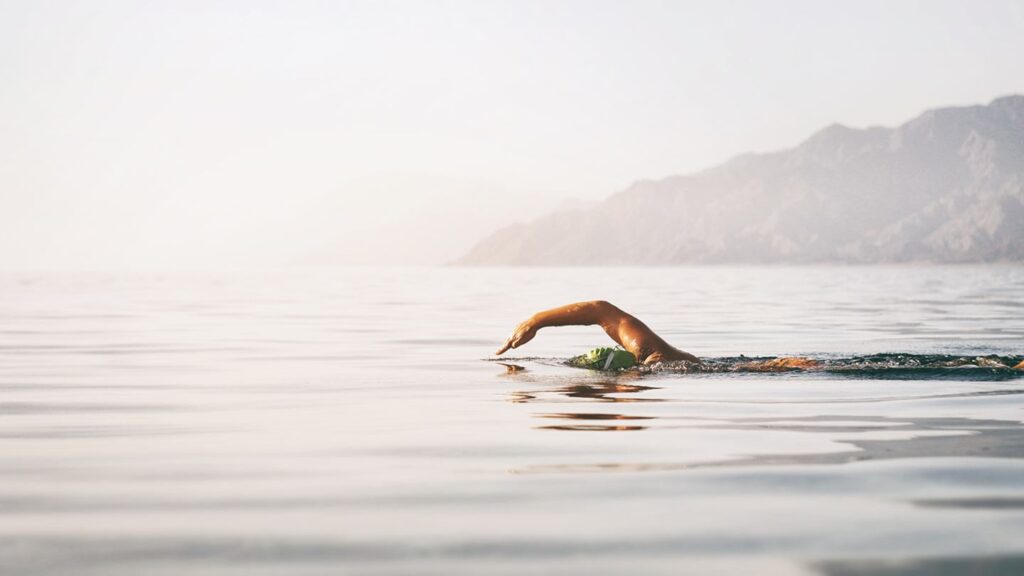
947 186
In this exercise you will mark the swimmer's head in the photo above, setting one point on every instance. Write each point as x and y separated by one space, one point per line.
604 359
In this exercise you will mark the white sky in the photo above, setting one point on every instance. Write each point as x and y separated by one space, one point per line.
177 134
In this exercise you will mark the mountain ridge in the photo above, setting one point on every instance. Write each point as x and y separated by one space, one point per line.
944 186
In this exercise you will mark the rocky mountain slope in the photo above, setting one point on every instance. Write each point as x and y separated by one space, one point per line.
947 186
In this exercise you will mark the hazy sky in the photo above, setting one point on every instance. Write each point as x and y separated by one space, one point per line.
153 134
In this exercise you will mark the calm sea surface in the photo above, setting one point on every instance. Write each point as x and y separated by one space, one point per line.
355 422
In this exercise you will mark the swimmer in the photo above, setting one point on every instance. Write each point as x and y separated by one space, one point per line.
627 330
632 334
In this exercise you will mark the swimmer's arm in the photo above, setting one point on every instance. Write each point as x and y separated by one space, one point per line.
627 330
578 314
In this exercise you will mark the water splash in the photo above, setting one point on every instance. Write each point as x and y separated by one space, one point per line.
895 366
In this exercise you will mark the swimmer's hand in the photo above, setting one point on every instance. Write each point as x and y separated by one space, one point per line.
521 335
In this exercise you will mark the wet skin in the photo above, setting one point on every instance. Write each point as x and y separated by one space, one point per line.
635 336
627 330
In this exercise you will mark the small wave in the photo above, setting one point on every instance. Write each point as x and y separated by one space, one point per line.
895 366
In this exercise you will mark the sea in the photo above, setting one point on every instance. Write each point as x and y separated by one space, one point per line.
356 421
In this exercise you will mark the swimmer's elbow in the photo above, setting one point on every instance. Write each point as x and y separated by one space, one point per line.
604 306
606 314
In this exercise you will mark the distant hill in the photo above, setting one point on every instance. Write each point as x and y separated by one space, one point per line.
947 186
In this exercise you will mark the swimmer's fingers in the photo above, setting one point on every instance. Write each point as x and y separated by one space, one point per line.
523 334
504 347
511 342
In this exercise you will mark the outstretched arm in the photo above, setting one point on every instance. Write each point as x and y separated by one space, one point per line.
625 329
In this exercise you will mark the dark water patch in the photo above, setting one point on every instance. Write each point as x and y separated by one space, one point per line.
53 331
58 504
989 301
593 427
116 349
889 366
93 471
1010 565
885 366
44 386
78 368
869 399
991 503
963 438
977 375
607 422
595 416
110 316
11 408
86 432
605 391
489 452
617 386
548 360
57 555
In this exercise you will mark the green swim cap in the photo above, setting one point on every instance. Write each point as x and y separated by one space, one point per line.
604 359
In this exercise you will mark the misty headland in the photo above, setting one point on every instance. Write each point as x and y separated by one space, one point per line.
944 187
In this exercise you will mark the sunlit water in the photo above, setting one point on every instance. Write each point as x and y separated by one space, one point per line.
329 422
